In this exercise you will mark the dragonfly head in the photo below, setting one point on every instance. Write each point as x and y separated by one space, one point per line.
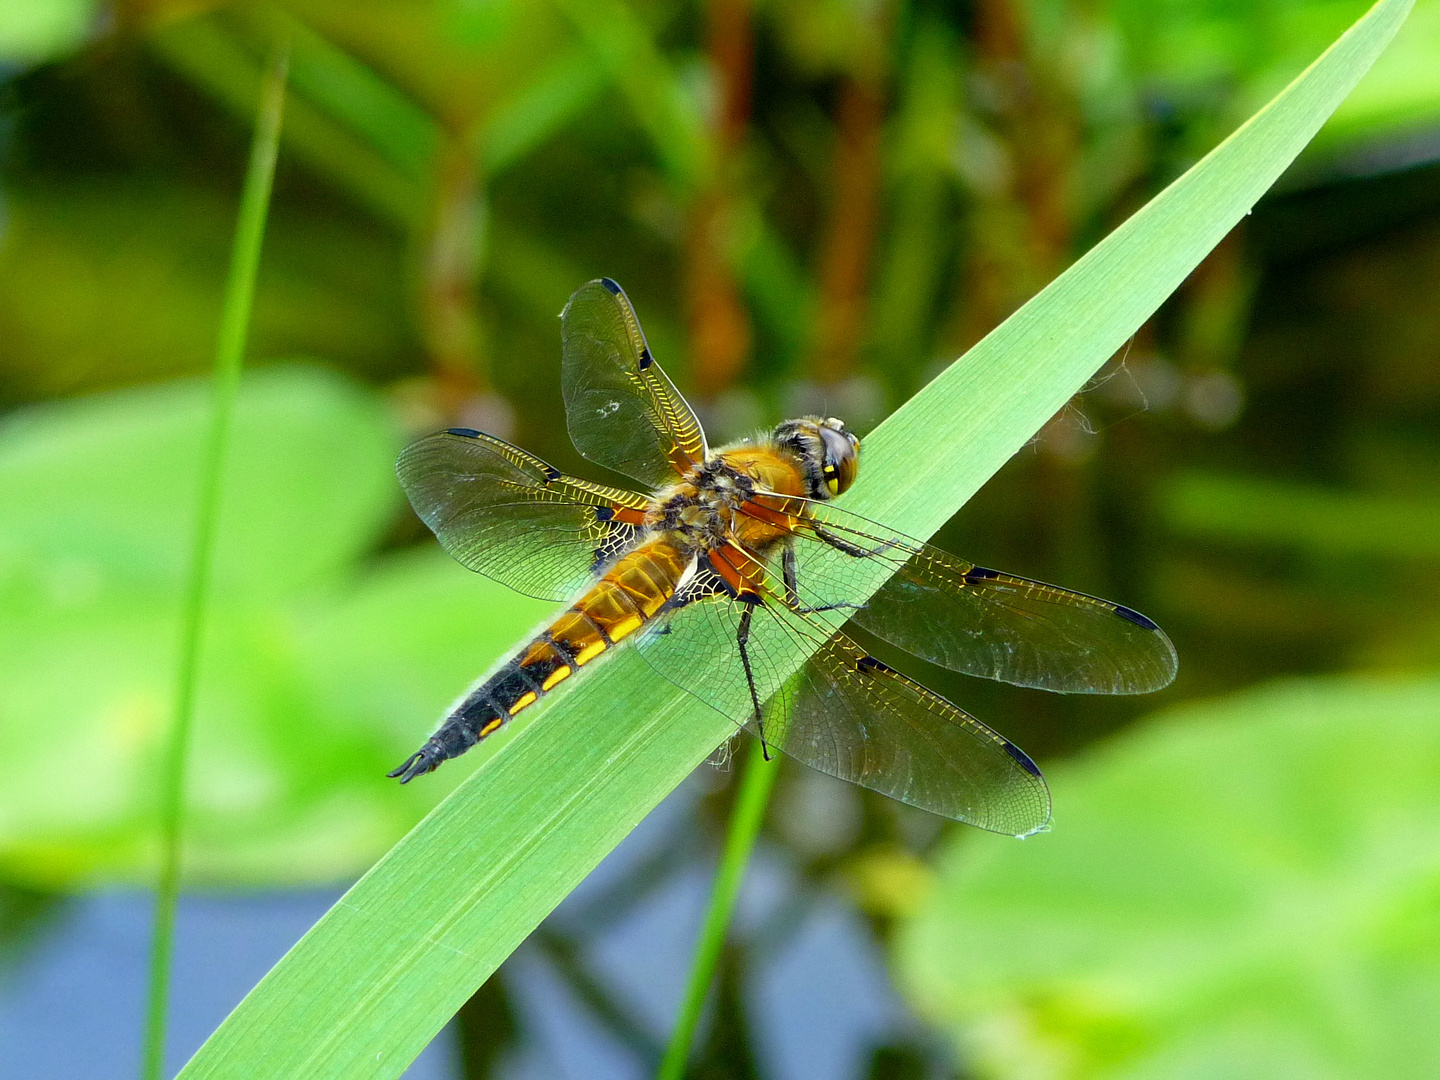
828 451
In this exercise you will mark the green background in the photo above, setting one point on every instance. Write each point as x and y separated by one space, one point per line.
1239 885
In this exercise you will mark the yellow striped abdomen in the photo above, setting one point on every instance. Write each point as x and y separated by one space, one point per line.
620 603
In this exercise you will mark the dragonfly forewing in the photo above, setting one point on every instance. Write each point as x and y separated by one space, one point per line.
979 621
844 713
621 409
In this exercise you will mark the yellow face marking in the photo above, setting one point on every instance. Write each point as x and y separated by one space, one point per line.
560 674
589 652
492 726
527 698
625 627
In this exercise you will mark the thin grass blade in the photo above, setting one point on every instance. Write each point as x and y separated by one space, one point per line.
229 358
745 821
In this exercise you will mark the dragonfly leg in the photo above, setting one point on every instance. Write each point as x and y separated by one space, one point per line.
787 567
792 587
853 550
742 638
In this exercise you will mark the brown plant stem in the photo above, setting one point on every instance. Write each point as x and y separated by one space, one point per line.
719 322
451 268
855 206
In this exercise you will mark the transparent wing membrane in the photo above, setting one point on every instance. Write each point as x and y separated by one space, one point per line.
730 632
510 516
979 621
622 410
846 714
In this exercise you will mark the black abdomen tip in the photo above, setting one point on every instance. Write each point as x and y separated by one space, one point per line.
417 764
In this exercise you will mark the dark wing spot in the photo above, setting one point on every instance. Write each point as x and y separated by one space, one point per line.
978 574
869 664
610 284
645 359
552 473
604 513
1134 616
1022 757
469 433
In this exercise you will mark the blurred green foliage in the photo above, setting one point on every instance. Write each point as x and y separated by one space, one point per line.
321 663
492 151
1243 888
36 30
815 204
1246 510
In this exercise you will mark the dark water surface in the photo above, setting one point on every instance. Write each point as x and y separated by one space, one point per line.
72 1001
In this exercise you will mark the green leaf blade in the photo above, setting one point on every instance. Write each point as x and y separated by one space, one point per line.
373 981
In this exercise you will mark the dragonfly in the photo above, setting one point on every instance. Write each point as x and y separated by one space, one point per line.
737 560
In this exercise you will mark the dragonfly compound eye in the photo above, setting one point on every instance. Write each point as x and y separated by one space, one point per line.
841 458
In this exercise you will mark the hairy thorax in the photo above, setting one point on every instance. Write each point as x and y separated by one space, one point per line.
702 511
